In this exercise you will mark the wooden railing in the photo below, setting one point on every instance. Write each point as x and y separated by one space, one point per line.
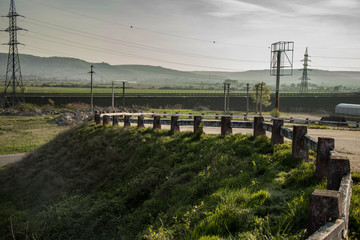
328 209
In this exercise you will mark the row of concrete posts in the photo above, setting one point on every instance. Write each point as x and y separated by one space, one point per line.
325 205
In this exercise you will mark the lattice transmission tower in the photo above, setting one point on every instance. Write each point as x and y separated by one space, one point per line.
304 78
14 90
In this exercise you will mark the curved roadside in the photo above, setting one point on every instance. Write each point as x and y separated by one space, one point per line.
6 159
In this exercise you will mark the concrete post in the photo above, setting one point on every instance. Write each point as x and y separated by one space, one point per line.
190 117
216 116
164 114
105 120
258 129
127 121
299 150
140 122
174 125
226 126
197 122
324 206
97 118
95 113
276 137
338 167
323 156
157 123
291 120
115 120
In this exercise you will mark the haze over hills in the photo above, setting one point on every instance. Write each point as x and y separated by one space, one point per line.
71 69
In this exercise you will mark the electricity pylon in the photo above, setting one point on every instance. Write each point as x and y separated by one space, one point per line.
14 90
304 78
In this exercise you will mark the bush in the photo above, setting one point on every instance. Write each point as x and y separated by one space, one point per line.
26 106
201 108
275 113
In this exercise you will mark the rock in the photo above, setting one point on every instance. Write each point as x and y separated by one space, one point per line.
73 118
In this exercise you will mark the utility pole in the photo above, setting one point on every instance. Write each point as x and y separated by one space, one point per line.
123 87
91 87
224 97
247 99
13 70
261 91
228 97
281 64
257 98
277 91
113 96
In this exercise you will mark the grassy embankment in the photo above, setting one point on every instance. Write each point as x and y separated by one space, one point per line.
99 183
113 183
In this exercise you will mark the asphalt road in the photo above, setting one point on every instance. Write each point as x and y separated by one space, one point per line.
5 159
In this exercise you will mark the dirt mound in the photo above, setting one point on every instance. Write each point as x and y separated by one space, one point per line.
73 118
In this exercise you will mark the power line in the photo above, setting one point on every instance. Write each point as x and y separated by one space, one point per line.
354 58
112 52
131 26
135 45
336 67
56 52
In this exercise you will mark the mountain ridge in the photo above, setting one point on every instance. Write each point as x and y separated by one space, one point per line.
74 69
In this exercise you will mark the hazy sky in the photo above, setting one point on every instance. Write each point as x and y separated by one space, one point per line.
190 34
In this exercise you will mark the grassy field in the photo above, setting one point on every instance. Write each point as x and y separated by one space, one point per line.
19 134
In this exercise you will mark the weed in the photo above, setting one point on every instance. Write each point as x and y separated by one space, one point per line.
354 218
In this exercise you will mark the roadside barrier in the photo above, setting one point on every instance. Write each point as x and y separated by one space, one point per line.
328 216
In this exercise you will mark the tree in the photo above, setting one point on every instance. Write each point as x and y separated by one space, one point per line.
338 88
256 95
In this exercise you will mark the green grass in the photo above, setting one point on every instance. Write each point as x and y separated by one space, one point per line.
24 134
95 182
354 219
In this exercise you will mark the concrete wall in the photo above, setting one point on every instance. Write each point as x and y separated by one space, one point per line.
320 104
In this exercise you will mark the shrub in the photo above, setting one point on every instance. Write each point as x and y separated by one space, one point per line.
26 106
275 113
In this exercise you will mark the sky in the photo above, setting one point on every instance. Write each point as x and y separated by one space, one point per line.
190 35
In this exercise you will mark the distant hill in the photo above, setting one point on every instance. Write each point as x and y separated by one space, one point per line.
72 69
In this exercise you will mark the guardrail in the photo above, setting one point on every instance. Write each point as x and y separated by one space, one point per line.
328 216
